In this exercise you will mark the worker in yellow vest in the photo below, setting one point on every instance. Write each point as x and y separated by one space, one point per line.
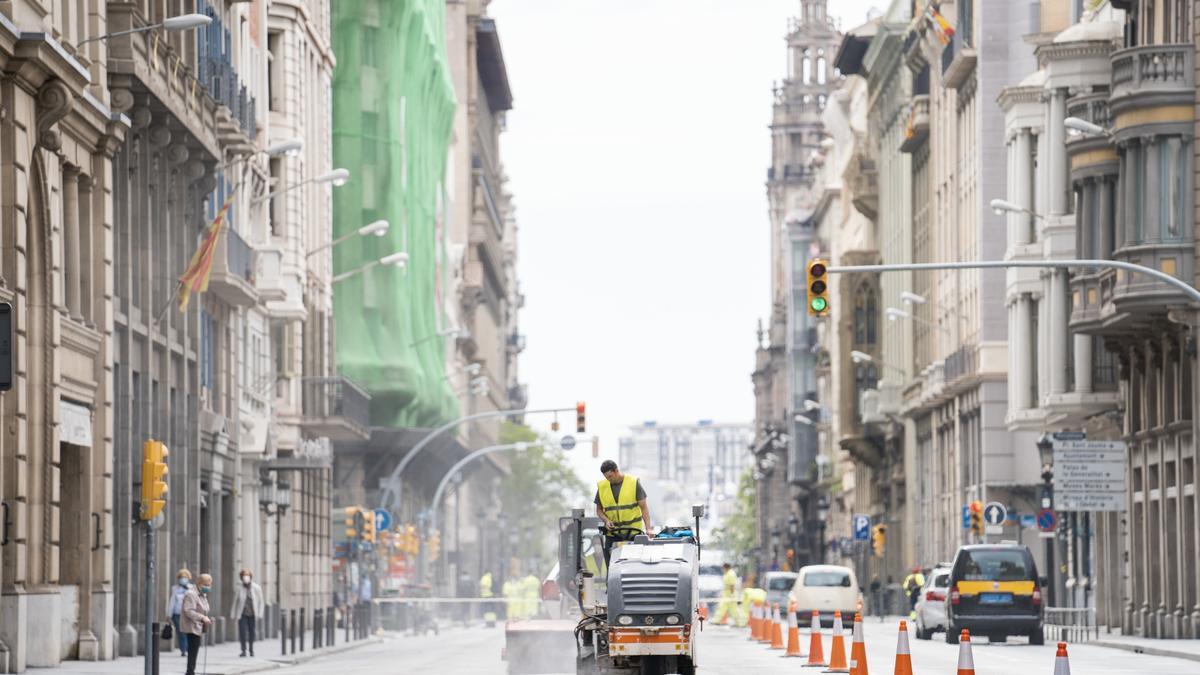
512 610
621 504
485 592
726 610
531 595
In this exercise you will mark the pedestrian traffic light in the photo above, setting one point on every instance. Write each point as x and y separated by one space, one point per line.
977 517
818 287
154 478
580 418
368 526
354 523
879 539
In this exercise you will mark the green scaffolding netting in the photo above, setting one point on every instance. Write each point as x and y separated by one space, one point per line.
393 116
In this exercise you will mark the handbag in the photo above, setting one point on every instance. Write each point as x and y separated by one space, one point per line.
167 631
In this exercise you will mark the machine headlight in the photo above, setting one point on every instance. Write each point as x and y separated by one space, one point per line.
673 619
625 620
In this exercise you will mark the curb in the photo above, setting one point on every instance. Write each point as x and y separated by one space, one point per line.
1139 649
292 660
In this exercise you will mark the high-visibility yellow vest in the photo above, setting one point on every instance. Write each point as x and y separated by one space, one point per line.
729 583
622 509
485 585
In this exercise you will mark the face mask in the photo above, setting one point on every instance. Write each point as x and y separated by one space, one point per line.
183 582
205 589
246 580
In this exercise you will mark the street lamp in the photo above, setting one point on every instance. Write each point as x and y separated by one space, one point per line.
895 314
911 298
337 177
1045 447
1077 126
399 259
174 23
1001 207
377 228
822 514
276 494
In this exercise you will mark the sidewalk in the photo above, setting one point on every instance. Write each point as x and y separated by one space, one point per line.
223 659
1180 649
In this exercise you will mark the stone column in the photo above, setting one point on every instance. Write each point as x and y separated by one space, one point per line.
1022 371
1083 363
71 257
87 250
1104 218
1057 152
1057 327
1023 186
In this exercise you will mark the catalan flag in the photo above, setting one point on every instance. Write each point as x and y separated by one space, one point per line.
941 26
195 278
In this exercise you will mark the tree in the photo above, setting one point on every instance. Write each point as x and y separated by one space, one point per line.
540 488
737 534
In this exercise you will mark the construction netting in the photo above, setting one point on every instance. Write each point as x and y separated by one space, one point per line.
393 115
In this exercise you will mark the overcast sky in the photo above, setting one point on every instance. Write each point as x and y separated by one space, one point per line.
637 151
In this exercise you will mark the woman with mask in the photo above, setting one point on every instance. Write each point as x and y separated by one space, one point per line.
247 607
194 619
183 581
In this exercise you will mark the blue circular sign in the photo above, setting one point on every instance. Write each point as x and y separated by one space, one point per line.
1046 520
383 520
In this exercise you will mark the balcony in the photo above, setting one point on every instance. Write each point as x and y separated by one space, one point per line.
791 173
864 186
233 270
1092 291
269 275
1153 76
336 408
958 62
917 131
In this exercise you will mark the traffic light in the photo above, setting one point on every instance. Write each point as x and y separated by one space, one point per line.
354 522
580 418
879 539
977 517
818 287
412 541
435 544
154 478
368 526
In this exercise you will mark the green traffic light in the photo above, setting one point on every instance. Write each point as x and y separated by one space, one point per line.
819 304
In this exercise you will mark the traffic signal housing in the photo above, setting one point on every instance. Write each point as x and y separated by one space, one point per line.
354 522
154 478
368 526
435 544
818 287
580 418
977 517
879 539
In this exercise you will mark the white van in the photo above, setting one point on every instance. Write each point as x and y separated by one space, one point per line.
826 589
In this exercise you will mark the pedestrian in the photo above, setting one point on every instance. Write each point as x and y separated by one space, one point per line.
183 581
728 605
247 607
194 619
912 588
877 596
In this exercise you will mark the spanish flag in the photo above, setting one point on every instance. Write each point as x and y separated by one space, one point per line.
195 278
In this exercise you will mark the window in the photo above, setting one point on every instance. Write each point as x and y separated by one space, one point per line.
782 583
866 312
827 579
208 365
275 71
276 181
994 565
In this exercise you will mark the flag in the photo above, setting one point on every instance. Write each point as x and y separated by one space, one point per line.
943 28
195 277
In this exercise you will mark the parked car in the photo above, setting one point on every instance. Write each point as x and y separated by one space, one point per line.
778 586
826 589
995 591
931 604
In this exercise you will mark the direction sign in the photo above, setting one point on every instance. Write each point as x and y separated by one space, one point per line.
567 442
966 518
1046 520
1089 475
995 513
383 520
862 527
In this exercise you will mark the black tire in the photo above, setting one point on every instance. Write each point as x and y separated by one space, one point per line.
686 666
1037 638
923 634
951 635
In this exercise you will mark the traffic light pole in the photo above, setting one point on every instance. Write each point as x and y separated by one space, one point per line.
150 637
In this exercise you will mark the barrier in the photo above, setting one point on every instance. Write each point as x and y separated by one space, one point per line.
1070 624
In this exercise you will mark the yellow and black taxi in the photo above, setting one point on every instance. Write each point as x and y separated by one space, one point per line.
994 591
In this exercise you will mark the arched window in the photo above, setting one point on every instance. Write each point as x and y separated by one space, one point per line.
821 70
866 311
806 67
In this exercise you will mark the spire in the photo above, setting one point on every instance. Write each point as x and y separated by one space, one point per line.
813 11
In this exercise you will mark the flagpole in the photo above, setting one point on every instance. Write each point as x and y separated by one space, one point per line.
167 305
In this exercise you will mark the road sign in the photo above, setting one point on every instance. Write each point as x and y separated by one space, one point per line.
995 513
1028 521
1089 475
862 527
383 520
966 518
1046 520
567 442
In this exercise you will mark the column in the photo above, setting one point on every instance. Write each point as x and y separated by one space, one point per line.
1129 214
1105 217
87 249
1023 186
1057 153
1083 363
71 257
1057 327
1022 370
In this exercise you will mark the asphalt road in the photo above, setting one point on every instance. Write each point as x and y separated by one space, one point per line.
726 651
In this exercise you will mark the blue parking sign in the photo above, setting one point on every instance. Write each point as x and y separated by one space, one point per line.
862 527
966 518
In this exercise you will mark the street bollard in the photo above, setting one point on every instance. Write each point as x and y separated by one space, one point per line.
282 631
303 626
331 625
156 642
346 622
292 621
318 627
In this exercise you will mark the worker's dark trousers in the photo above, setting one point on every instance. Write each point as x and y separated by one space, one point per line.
608 546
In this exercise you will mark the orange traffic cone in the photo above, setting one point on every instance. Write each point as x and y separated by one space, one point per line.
776 630
816 654
858 649
754 619
837 650
767 626
704 611
1062 666
793 641
966 662
903 654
